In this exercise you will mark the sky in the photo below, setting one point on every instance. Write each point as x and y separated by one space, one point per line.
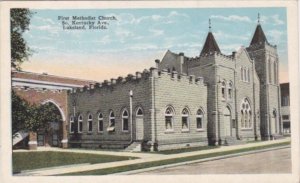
139 36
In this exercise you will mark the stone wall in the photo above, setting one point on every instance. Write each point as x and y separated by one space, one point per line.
104 98
180 92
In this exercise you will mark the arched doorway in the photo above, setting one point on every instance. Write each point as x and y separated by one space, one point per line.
139 124
227 121
51 134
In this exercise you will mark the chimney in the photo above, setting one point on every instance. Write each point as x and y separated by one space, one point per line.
157 61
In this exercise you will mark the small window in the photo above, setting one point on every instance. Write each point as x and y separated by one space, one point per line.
199 119
242 74
285 117
100 123
223 89
275 73
80 124
169 119
90 123
270 71
185 120
72 125
111 126
285 101
245 75
230 90
248 75
125 120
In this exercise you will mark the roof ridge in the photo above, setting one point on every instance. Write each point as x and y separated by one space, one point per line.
50 75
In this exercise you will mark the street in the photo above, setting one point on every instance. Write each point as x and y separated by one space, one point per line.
276 161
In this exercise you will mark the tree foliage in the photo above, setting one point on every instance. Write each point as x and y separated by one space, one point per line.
19 21
32 117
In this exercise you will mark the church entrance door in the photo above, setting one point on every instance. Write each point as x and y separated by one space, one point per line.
227 122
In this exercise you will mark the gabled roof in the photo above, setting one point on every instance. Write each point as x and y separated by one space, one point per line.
259 36
210 45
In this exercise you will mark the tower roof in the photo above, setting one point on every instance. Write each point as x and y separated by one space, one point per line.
210 45
259 36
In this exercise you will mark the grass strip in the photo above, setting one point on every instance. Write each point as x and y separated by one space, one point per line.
119 169
184 150
36 160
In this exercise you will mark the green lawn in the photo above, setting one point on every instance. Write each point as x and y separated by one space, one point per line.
36 160
171 161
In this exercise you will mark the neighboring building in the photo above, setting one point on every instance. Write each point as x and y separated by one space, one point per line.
285 107
42 89
206 100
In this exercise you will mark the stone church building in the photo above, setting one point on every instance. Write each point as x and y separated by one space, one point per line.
209 99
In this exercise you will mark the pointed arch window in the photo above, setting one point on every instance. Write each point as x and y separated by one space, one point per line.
246 115
125 117
139 112
275 73
111 126
185 120
80 124
248 74
199 119
169 119
100 122
223 89
270 71
72 124
230 90
242 73
90 123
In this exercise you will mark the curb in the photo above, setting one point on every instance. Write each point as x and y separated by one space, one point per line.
199 161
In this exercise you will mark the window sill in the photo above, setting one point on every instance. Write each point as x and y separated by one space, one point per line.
123 131
185 130
110 129
80 132
200 130
71 132
101 132
246 129
170 131
89 133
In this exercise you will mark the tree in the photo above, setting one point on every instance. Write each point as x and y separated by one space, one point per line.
20 113
31 117
19 21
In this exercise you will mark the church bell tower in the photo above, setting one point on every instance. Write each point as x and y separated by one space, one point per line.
267 65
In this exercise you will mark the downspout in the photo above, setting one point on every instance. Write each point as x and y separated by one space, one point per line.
254 102
153 112
268 105
131 121
217 118
235 99
279 100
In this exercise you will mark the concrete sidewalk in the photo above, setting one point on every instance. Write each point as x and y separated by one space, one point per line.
144 157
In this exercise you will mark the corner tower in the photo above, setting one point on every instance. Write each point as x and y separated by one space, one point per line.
266 65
